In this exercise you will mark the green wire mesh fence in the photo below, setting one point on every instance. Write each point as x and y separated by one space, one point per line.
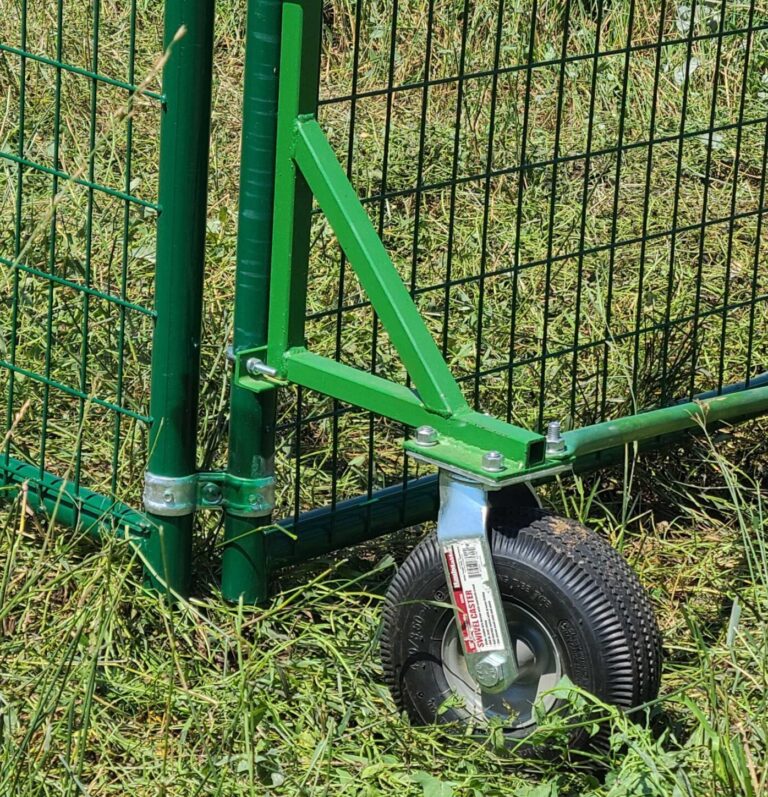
574 193
77 230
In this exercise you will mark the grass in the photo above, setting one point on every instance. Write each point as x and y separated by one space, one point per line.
107 691
103 689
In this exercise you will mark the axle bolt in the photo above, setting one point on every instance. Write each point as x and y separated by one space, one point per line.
555 442
493 461
489 670
425 436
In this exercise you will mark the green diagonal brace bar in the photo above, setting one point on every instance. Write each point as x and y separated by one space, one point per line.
378 277
306 168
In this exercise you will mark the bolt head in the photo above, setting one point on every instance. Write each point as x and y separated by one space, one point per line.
425 436
493 461
252 366
168 497
211 493
489 671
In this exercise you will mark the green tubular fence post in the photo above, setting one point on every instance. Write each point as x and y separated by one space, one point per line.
252 416
185 133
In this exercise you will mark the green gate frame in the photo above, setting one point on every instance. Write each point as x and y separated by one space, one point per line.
307 168
286 165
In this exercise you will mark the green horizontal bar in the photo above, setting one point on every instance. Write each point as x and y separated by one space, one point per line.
71 391
351 522
42 59
79 181
463 437
76 286
353 386
71 505
729 406
358 520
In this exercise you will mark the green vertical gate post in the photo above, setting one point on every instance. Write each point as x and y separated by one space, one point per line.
252 416
184 134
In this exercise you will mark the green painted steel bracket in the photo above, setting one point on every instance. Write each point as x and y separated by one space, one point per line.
252 373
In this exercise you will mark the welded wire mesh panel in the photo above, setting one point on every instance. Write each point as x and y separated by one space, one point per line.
78 186
574 192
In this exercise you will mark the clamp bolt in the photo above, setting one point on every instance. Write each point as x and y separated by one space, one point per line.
425 436
211 493
493 461
257 367
554 441
168 497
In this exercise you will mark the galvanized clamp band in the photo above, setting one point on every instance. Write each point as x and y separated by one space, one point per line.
168 496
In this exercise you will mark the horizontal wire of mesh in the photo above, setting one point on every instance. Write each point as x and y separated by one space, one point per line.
574 192
78 188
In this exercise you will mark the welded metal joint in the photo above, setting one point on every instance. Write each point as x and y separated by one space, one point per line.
174 497
462 534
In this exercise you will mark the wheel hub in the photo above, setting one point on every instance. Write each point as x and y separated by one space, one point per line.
540 668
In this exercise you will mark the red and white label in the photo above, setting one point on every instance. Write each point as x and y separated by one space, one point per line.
472 594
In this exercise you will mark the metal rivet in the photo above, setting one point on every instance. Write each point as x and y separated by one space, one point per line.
425 436
493 461
555 442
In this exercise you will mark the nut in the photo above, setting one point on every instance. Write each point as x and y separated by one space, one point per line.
425 436
493 461
489 671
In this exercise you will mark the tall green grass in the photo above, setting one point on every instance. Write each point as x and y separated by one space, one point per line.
105 690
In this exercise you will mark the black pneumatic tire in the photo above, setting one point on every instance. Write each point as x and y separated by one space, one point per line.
586 614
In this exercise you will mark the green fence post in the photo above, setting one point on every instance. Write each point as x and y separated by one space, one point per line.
184 134
252 416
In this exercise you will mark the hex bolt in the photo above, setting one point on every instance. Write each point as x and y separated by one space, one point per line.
256 368
489 670
255 501
425 436
555 442
211 493
493 461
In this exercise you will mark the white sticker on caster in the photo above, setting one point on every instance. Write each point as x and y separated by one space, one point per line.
472 595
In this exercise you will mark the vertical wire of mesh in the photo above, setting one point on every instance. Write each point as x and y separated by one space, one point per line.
77 230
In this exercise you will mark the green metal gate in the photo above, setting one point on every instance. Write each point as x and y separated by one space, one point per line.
570 198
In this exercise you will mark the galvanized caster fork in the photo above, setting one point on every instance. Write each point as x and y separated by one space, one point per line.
462 535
